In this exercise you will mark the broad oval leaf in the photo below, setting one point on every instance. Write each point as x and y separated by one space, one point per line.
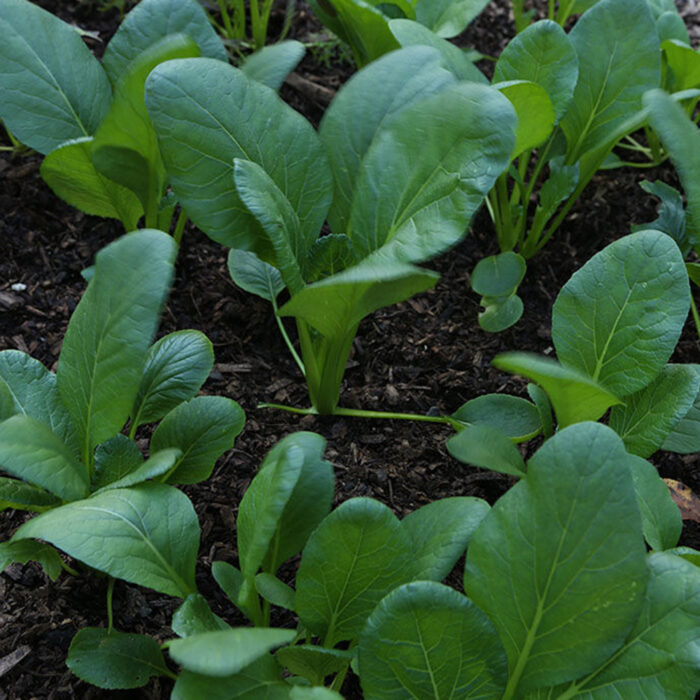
543 54
619 60
511 415
194 616
685 436
500 313
498 275
53 88
255 276
440 532
447 18
105 346
152 20
482 445
226 652
570 571
70 172
158 464
147 534
202 429
32 452
357 555
619 317
176 367
115 660
207 113
425 640
271 65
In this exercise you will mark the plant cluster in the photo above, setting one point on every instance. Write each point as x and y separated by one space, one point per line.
573 583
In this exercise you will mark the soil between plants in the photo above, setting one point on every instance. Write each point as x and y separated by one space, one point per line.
425 355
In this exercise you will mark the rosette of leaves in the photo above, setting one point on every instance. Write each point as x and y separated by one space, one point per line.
402 160
61 442
89 118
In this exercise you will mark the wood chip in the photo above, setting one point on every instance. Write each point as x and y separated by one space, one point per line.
685 499
7 663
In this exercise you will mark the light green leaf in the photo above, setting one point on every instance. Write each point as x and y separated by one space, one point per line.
114 459
254 276
194 616
661 518
447 18
357 555
418 202
619 317
425 640
21 496
27 550
440 533
156 465
498 275
225 652
684 61
69 171
110 331
650 414
482 445
32 452
543 54
544 409
575 397
369 101
685 436
511 415
152 20
53 89
274 591
176 367
619 60
207 113
410 33
570 570
115 660
147 534
202 429
230 581
500 313
314 663
271 65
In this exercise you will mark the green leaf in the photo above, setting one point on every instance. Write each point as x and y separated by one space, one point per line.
27 550
271 65
687 553
671 218
329 254
515 417
425 640
357 555
32 452
536 117
498 275
369 101
685 436
542 54
125 148
650 414
447 18
225 652
556 188
115 459
156 465
314 663
274 591
619 60
670 25
148 535
575 397
194 616
300 692
176 367
230 581
440 533
425 205
410 33
207 113
659 657
202 429
681 140
115 660
53 88
487 447
35 394
110 331
253 275
544 409
571 568
273 211
661 518
69 171
619 317
684 62
7 401
500 313
152 20
16 494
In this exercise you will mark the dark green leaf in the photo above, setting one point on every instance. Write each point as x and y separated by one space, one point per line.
27 550
515 417
274 591
21 496
253 275
114 459
313 662
482 445
194 616
500 313
498 275
272 64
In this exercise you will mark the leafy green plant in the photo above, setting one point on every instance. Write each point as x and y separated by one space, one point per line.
60 434
404 156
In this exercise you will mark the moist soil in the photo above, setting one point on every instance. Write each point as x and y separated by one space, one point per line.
427 355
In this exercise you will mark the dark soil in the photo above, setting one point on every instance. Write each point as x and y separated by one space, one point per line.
425 355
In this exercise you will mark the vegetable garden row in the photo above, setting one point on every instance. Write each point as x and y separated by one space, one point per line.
575 580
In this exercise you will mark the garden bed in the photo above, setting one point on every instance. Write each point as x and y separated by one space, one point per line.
426 355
